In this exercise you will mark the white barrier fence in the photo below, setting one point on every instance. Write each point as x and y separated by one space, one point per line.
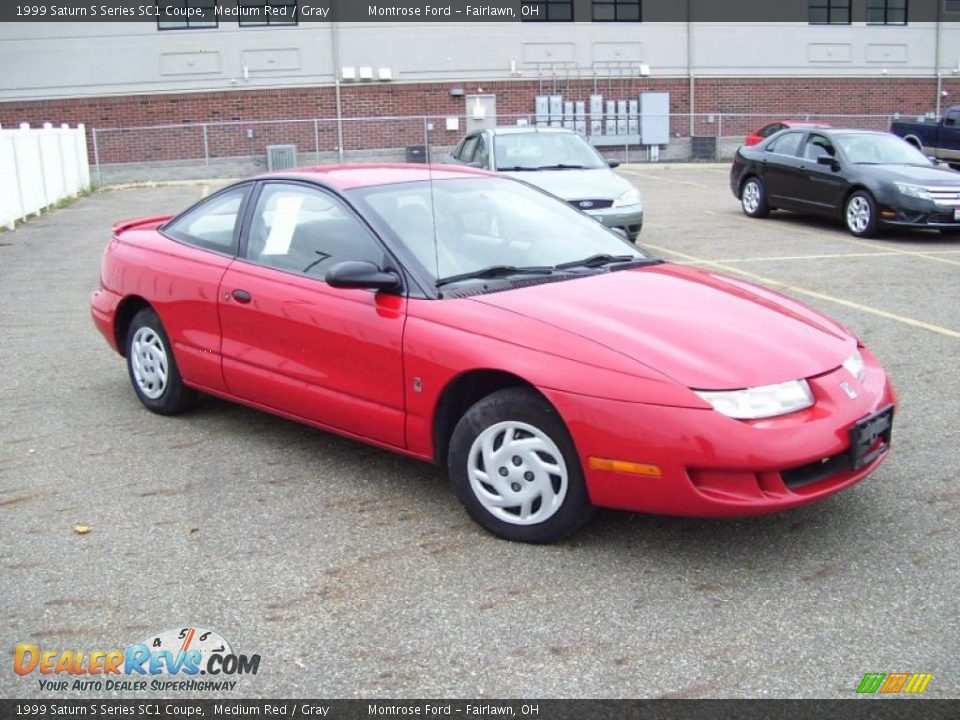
39 167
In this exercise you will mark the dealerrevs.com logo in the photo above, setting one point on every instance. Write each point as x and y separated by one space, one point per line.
172 660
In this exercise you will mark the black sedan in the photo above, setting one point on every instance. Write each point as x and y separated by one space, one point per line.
868 179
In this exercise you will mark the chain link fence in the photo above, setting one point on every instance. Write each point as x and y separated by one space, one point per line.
240 148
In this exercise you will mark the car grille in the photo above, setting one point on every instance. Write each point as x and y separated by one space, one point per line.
945 195
591 204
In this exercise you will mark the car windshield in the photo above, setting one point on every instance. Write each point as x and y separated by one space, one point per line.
538 150
879 149
461 226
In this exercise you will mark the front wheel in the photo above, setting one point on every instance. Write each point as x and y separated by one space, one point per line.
153 369
514 468
753 199
861 214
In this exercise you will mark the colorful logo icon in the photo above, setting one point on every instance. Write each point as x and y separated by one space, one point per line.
894 683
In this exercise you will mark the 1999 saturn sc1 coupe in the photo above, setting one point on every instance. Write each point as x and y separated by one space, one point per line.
477 322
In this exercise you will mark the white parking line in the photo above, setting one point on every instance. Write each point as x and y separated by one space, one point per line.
947 332
840 238
665 179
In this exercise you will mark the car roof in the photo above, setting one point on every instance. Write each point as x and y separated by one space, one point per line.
803 124
526 129
345 177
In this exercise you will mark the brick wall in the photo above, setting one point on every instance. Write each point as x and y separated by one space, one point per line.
773 97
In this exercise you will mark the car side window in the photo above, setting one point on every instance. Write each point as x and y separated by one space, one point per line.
482 155
469 147
212 224
953 118
818 146
787 144
306 231
771 129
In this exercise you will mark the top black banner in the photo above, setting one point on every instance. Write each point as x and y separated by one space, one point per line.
192 14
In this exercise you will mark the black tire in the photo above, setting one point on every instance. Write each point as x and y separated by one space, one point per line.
860 224
754 206
950 232
172 396
526 408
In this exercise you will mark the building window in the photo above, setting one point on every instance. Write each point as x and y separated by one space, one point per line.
268 12
186 14
546 10
829 12
616 11
951 6
886 12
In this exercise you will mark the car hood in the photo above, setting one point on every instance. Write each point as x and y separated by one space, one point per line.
703 330
598 184
917 174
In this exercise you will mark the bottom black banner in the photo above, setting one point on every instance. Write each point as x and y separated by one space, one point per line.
858 709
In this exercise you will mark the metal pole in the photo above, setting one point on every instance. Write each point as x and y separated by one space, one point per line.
426 139
692 91
96 158
316 137
206 146
335 57
936 60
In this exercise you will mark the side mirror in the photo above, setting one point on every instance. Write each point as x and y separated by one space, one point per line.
613 163
829 161
361 275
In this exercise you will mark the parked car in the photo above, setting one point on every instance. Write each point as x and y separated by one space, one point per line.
758 136
937 137
560 162
871 180
470 320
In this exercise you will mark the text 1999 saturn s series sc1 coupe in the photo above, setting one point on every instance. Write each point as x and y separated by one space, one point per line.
479 323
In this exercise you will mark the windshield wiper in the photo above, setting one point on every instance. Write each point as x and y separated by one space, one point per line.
496 271
518 168
604 259
561 166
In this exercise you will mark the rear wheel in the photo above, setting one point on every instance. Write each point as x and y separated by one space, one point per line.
153 369
861 214
514 467
753 199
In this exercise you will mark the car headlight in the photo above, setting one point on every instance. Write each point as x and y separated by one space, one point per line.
630 197
854 365
760 402
916 191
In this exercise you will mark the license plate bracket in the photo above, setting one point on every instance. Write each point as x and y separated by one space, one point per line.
864 448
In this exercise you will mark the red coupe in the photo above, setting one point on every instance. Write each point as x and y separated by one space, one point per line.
758 136
476 322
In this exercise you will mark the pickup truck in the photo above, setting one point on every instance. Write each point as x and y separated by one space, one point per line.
939 137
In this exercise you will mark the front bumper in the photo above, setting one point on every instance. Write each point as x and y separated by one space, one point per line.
904 211
714 466
630 218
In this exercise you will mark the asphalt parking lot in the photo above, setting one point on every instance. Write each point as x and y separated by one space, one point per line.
354 572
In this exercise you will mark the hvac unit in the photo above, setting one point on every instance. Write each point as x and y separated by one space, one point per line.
281 157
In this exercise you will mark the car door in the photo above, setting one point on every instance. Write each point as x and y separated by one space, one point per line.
948 136
294 344
822 187
781 173
184 283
